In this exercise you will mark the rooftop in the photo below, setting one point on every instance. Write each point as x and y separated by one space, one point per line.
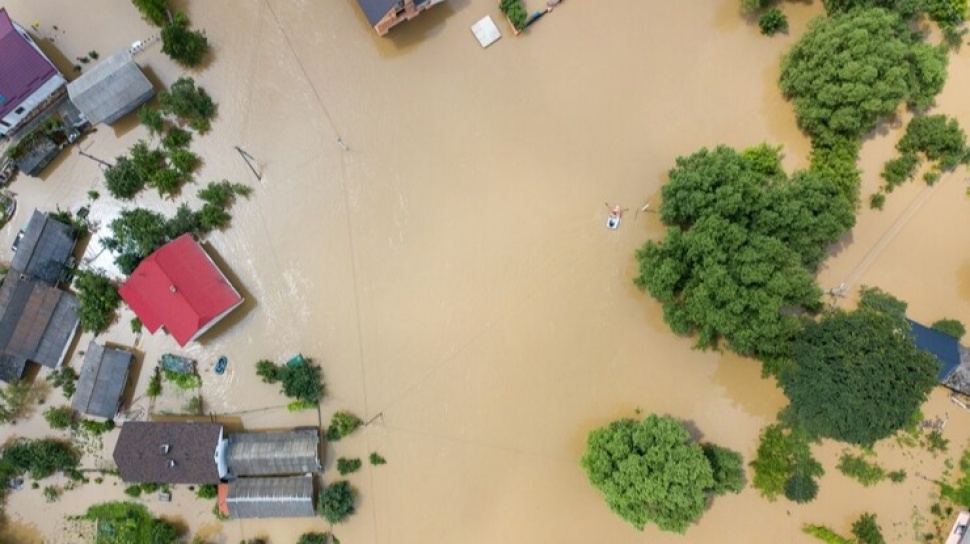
37 323
375 10
274 453
45 250
169 452
114 87
102 380
281 497
23 69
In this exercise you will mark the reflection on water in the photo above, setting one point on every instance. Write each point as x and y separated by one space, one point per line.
450 271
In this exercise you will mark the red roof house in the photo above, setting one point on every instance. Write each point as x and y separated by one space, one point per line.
28 80
179 287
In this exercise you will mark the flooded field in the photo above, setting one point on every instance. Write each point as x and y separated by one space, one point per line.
450 270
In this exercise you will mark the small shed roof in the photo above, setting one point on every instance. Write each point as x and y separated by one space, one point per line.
45 249
375 10
181 288
114 87
23 69
169 452
102 380
37 323
274 453
944 347
280 497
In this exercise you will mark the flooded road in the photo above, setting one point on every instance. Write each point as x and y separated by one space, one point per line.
450 270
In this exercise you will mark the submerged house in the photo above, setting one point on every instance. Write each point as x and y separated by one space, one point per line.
273 453
37 324
29 81
954 358
45 252
180 288
959 534
110 90
169 453
102 380
277 497
384 14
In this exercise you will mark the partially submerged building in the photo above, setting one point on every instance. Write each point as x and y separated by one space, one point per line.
384 14
102 380
110 90
37 324
273 453
959 534
278 497
29 81
169 453
45 252
180 288
954 358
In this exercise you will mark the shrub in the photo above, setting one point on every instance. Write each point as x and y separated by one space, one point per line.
52 493
183 380
15 400
728 468
336 501
130 522
867 531
184 161
858 468
193 406
314 538
133 491
342 423
60 417
155 385
772 22
182 44
135 325
782 453
152 119
40 458
516 13
268 371
97 427
122 179
65 378
950 327
897 171
94 195
897 476
222 194
825 534
348 466
935 442
177 138
189 103
98 300
207 491
154 11
376 459
936 136
877 201
801 488
302 382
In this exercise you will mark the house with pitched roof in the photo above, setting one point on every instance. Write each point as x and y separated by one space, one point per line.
102 380
276 497
180 288
384 14
273 453
110 90
169 452
29 81
45 252
37 324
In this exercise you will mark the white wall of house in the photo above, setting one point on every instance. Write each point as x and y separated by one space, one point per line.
53 85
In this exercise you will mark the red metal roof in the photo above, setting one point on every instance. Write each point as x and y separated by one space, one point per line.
23 69
179 287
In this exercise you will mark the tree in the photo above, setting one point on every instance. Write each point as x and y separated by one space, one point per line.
348 466
152 119
189 103
867 531
342 423
40 458
135 234
314 538
182 44
938 137
801 488
337 501
154 11
176 138
126 522
122 180
852 69
59 417
301 381
15 400
728 469
950 327
649 471
97 300
904 8
772 22
858 376
782 454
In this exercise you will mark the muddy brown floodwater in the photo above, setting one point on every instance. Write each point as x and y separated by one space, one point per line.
451 271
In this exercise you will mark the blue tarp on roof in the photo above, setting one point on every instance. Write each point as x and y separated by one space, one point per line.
944 347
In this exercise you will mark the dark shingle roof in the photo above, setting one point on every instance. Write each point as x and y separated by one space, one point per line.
37 323
102 380
189 458
945 348
273 453
45 249
288 497
375 10
114 87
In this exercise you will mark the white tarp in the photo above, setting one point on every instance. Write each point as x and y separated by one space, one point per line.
485 31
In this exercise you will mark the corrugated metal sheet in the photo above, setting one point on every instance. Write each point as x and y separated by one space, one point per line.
114 87
102 380
274 453
45 249
287 497
37 323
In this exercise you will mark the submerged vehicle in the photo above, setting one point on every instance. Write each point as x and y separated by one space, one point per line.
221 364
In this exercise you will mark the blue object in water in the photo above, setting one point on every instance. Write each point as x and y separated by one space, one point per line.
221 365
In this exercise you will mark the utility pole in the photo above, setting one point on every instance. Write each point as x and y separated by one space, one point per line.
249 160
104 164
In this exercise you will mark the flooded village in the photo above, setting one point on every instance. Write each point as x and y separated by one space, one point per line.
422 219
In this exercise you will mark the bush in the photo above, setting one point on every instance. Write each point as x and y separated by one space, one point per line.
897 476
15 400
516 13
154 11
801 488
877 201
136 325
189 103
98 300
268 371
950 327
176 138
52 493
97 427
938 137
184 161
376 459
127 522
40 458
155 385
336 501
152 119
935 443
314 538
342 424
60 417
782 453
825 534
122 180
65 378
207 491
858 468
213 218
222 194
728 468
302 382
772 22
899 170
133 491
183 380
193 406
867 531
182 44
348 466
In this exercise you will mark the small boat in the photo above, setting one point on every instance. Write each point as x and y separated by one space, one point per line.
221 365
613 222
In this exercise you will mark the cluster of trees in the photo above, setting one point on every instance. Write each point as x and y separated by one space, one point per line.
182 44
937 138
301 381
336 501
137 232
126 522
865 530
742 242
652 471
342 423
40 458
16 400
189 104
784 464
515 11
98 300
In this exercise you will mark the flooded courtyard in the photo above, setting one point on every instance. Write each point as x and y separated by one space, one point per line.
448 265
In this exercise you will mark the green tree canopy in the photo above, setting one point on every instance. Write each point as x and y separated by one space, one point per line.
651 471
337 501
182 44
858 376
852 69
97 300
742 241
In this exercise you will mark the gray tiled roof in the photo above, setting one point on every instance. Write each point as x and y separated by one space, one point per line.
273 453
287 497
375 10
45 249
102 380
189 458
114 87
37 323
